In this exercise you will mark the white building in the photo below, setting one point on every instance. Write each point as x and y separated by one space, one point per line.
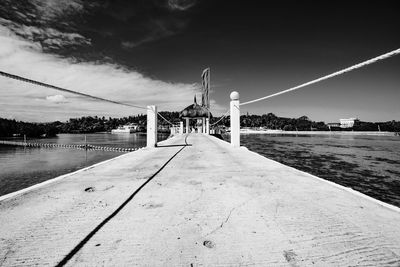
347 123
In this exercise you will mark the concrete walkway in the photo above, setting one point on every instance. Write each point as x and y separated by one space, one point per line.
211 205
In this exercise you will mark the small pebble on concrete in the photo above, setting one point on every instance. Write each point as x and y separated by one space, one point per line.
89 189
209 244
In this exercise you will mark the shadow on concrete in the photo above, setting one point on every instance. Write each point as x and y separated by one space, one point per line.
78 247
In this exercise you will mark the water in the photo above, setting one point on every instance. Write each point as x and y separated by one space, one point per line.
369 164
22 167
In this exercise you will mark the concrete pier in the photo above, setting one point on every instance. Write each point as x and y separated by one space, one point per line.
205 204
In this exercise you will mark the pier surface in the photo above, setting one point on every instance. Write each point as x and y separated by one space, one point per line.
210 205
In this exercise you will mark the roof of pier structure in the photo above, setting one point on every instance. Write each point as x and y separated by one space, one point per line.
195 111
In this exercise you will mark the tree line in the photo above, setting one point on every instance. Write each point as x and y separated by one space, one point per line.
88 124
91 124
303 123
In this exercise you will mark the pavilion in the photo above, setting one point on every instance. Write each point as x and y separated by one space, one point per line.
198 113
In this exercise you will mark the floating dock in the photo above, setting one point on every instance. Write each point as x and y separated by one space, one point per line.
195 202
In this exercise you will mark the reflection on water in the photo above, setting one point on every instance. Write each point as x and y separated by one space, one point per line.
22 167
369 164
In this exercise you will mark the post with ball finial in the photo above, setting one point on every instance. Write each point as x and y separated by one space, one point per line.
151 126
235 119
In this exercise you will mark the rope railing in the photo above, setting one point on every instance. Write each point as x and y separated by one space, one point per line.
23 79
220 119
354 67
161 116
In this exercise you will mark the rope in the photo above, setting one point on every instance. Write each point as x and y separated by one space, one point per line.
357 66
19 78
165 119
223 116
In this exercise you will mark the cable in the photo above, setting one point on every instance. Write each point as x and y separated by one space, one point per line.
19 78
357 66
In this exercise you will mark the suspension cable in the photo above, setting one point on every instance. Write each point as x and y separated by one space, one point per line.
357 66
19 78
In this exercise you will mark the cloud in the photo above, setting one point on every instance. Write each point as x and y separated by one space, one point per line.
65 26
154 29
25 58
50 10
47 36
181 4
58 99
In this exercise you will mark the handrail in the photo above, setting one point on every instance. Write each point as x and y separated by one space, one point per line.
23 79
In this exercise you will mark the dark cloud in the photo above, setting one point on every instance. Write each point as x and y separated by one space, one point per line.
94 30
54 24
181 4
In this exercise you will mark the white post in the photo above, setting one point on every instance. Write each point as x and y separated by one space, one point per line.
151 126
207 126
181 127
235 119
203 125
187 125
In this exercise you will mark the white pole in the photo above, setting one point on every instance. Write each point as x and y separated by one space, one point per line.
187 125
203 125
181 127
235 119
151 126
207 126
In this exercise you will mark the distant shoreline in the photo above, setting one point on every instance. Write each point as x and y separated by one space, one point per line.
247 131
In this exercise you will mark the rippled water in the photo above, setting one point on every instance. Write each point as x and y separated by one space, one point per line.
369 164
22 167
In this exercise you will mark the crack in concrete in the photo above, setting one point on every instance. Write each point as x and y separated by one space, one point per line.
196 199
227 218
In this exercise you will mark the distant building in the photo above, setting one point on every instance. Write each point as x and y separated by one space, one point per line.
128 128
348 123
333 124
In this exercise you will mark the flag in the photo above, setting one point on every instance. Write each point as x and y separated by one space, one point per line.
205 76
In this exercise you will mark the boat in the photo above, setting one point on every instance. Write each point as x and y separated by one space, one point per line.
128 128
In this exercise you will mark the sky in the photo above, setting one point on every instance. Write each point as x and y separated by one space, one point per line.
152 52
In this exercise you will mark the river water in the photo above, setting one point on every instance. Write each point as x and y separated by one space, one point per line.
369 164
22 167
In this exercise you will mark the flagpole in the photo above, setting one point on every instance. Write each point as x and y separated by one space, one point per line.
208 93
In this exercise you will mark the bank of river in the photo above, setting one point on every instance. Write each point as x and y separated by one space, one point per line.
22 167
